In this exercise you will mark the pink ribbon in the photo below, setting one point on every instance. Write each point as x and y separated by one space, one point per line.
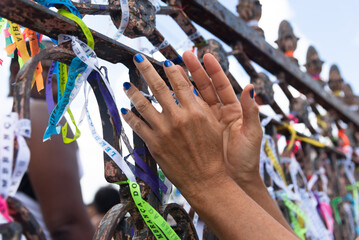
327 214
4 209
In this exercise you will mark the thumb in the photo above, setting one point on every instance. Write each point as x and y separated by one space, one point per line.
251 121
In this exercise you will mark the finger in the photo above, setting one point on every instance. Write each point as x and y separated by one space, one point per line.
184 75
251 121
142 105
220 81
137 125
154 81
200 77
180 86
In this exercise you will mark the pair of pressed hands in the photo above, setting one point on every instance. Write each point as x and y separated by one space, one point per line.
207 146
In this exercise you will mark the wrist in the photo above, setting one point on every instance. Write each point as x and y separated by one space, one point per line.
249 181
201 192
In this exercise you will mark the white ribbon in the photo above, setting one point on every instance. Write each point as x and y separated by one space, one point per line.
318 174
125 18
275 177
294 169
11 128
164 44
252 23
315 226
110 151
156 4
267 120
88 56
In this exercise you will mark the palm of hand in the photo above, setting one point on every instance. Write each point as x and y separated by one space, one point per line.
241 129
241 145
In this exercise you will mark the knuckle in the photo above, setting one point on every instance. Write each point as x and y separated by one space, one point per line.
146 67
172 70
180 84
137 126
158 87
142 105
154 147
180 122
197 115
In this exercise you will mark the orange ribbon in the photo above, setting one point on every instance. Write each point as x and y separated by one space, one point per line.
289 53
35 49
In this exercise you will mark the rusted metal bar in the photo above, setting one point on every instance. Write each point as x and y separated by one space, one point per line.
49 23
211 15
95 9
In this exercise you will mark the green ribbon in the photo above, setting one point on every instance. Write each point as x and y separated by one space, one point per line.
296 227
335 202
2 23
8 40
354 188
158 225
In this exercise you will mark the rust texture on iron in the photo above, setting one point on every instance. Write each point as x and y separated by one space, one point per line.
51 24
95 9
184 225
142 17
216 49
30 228
11 231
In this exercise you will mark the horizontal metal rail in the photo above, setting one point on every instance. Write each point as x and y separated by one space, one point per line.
222 23
51 24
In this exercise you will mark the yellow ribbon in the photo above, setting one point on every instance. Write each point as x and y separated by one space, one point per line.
274 161
63 80
294 136
85 29
320 122
20 42
63 72
337 93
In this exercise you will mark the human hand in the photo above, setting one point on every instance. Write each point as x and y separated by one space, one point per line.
185 139
239 121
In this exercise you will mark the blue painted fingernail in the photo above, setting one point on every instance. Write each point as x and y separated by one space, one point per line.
168 63
252 92
126 85
195 92
124 111
139 58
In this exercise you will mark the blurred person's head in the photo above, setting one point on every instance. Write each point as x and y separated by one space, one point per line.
105 199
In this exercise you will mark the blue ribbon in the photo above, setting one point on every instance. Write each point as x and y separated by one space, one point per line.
67 3
77 67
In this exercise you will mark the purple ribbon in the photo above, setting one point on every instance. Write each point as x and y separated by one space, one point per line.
145 173
316 195
49 97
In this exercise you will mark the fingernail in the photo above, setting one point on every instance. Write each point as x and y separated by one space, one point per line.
195 92
252 92
168 63
124 111
126 85
139 58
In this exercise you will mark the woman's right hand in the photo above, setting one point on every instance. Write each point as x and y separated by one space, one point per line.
240 124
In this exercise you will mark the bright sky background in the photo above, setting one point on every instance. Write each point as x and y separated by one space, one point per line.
330 26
